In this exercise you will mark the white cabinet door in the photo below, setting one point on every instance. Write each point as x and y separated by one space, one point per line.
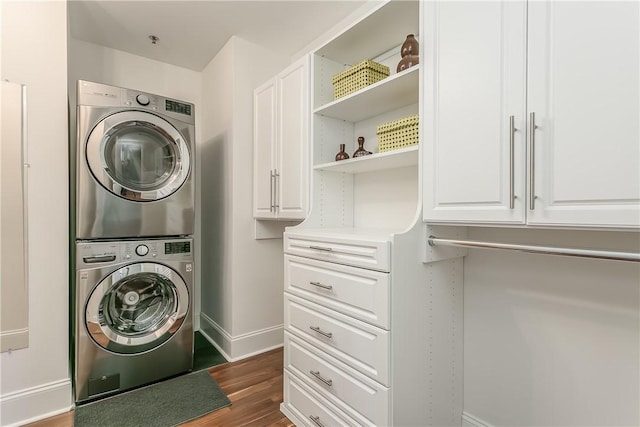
280 145
293 141
474 75
583 87
264 150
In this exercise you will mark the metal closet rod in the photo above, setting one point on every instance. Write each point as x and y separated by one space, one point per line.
548 250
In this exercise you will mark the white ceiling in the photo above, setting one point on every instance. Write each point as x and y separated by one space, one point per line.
192 32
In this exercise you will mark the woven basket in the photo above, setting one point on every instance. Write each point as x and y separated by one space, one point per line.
398 134
357 77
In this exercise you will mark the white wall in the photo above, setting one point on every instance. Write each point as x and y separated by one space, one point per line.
242 304
550 340
215 196
35 381
101 64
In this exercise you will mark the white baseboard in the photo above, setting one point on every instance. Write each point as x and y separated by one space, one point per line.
292 417
36 403
241 346
469 420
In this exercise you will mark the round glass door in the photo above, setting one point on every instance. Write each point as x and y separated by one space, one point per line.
138 156
137 308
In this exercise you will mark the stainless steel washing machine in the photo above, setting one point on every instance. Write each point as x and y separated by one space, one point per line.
134 164
133 316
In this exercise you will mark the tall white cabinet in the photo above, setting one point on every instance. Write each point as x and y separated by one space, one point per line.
372 331
532 113
281 145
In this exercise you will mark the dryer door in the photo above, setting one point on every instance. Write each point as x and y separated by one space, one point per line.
136 308
138 156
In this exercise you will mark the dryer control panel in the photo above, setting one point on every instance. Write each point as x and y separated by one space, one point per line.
101 95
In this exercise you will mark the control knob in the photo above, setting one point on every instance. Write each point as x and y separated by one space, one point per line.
142 99
142 250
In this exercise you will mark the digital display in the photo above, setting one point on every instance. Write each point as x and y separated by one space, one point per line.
177 247
178 107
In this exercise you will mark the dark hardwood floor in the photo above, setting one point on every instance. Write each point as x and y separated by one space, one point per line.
254 386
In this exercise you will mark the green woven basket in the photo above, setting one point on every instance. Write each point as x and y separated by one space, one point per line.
398 134
357 77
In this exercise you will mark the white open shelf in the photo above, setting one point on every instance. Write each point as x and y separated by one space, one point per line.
387 160
379 32
394 92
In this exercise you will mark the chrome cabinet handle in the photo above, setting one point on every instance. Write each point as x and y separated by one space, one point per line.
512 131
532 161
271 179
276 175
320 285
320 331
320 248
321 378
316 421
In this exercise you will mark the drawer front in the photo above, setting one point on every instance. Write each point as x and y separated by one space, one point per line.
374 255
357 292
309 407
361 346
346 388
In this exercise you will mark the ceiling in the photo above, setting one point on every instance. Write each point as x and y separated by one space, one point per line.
192 32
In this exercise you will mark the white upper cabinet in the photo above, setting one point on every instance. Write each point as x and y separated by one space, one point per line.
490 67
583 89
281 141
474 83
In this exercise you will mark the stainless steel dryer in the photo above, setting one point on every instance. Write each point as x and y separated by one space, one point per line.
134 164
133 316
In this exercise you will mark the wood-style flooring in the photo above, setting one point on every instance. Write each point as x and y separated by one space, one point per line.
254 386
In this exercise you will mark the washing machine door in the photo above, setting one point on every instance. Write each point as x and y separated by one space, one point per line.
136 308
138 156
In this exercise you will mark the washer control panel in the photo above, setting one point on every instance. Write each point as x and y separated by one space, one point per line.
105 253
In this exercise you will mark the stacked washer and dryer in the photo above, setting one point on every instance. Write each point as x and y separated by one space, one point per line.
134 224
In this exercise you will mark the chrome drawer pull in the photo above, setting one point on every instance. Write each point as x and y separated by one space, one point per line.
316 421
320 331
320 248
321 378
320 285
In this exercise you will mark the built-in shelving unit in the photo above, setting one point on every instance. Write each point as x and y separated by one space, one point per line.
360 304
377 37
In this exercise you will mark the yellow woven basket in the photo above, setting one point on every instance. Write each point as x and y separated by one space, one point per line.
398 134
357 77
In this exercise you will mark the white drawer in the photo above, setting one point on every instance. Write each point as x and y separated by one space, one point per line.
362 346
357 292
343 386
367 253
309 407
